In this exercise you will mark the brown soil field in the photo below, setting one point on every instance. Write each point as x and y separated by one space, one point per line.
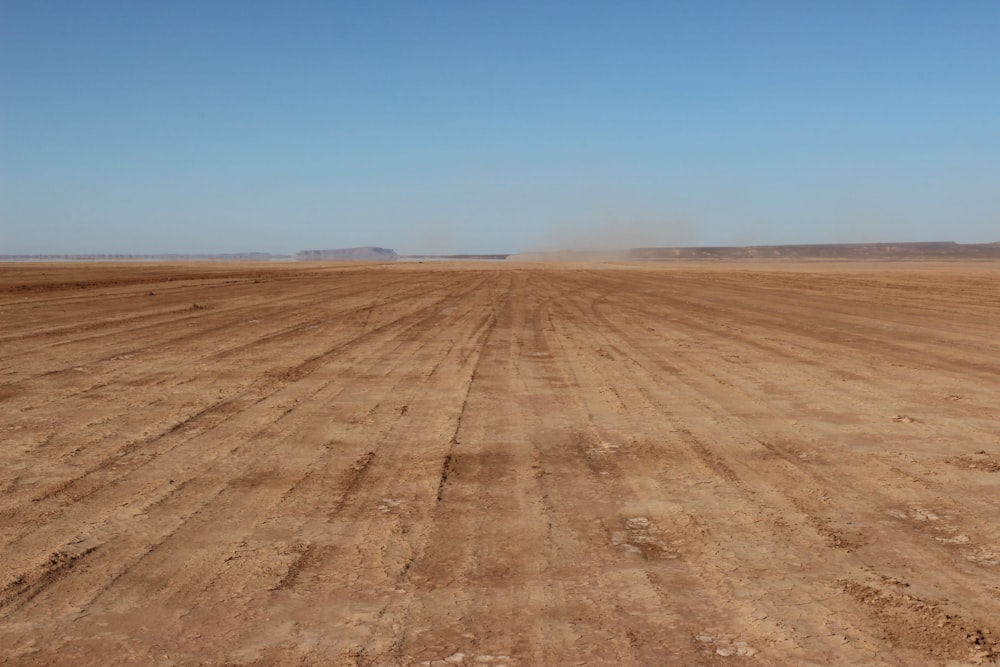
500 464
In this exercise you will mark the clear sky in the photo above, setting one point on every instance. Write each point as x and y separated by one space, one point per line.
484 126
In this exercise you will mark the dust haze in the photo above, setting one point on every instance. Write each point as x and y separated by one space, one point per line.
614 232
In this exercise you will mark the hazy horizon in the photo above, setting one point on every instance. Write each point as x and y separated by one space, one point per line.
474 128
555 252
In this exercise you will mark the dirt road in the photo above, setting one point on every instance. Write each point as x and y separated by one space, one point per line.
500 464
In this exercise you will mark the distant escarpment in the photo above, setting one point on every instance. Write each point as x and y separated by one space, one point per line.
366 254
934 250
847 251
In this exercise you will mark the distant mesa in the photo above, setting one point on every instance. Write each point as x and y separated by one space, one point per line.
365 254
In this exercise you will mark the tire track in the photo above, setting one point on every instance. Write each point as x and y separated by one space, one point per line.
136 454
391 503
220 348
500 464
727 472
217 495
819 515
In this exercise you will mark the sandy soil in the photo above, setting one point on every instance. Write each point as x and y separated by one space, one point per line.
500 464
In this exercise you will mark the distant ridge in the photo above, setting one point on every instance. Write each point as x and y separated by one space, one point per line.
855 251
919 250
365 254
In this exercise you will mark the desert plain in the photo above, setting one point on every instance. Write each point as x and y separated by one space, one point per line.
497 463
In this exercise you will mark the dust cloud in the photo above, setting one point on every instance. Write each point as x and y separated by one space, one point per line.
609 235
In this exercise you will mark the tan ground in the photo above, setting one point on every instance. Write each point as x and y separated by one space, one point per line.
497 464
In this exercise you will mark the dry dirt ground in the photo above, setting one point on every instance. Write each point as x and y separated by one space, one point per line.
500 464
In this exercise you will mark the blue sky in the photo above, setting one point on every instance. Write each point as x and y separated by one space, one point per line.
475 126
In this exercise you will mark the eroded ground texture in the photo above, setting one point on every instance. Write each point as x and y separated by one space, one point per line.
500 464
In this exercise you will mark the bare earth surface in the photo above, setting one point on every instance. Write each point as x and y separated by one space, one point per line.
500 464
